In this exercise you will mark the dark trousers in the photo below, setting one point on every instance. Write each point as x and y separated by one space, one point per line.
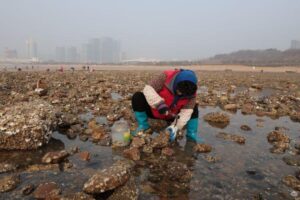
140 104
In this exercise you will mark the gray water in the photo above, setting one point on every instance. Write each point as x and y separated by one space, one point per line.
225 179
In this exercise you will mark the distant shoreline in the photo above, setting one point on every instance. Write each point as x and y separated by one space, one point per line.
242 68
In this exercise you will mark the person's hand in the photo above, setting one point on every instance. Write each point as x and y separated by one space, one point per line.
163 109
173 132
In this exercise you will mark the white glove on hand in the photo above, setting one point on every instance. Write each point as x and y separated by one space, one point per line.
173 132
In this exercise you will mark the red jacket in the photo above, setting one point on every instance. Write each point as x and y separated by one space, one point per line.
167 94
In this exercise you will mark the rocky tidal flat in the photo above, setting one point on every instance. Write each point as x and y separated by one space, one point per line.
56 140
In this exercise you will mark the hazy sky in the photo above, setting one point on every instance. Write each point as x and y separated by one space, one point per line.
163 29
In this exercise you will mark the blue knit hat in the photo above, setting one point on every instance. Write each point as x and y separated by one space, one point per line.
185 75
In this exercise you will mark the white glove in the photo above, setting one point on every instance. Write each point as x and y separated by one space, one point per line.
173 132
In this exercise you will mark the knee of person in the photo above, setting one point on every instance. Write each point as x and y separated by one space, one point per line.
137 96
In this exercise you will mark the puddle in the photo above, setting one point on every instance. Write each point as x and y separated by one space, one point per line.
243 172
116 96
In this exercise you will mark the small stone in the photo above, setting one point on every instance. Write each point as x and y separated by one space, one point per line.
108 179
292 182
245 128
298 174
85 155
236 138
217 119
279 140
74 150
202 148
297 146
133 153
129 191
8 183
137 142
167 151
47 191
38 167
7 167
292 160
55 157
294 194
247 108
257 86
147 149
27 189
277 136
211 159
231 107
160 141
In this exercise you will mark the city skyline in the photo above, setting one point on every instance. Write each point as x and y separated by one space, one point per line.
165 30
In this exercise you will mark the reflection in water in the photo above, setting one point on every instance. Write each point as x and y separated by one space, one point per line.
25 158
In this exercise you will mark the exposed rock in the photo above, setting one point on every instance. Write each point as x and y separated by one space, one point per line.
298 174
8 183
292 160
247 108
74 130
231 107
177 171
167 151
55 157
37 167
279 140
245 128
202 148
7 167
85 155
236 138
26 125
279 147
278 136
211 159
127 192
27 189
77 196
257 86
66 120
217 119
292 182
109 179
98 133
137 142
297 146
160 141
83 137
147 149
133 153
295 117
47 191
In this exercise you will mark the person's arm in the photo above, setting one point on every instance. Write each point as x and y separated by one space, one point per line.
185 114
152 89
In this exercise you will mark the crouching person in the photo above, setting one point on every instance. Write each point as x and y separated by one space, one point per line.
170 96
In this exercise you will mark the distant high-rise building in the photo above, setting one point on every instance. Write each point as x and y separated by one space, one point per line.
31 50
104 50
60 53
110 50
295 44
72 55
94 50
10 53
